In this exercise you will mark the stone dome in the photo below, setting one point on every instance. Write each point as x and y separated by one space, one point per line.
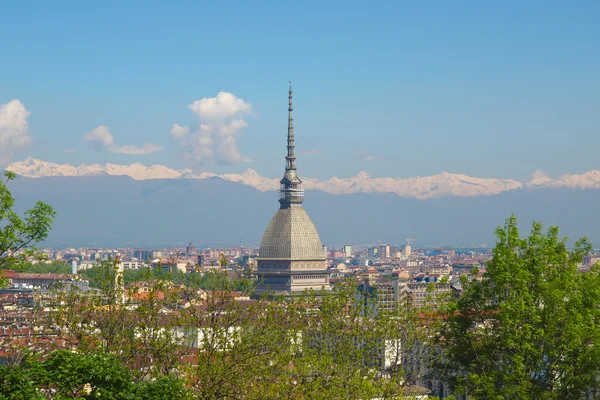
291 235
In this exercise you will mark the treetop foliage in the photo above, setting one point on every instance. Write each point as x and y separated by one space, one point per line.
531 327
19 235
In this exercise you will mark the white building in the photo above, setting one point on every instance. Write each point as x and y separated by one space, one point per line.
348 250
133 264
169 265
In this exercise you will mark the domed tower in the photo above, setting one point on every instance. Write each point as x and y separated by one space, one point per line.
291 257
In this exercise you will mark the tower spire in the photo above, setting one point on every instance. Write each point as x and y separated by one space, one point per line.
291 158
291 192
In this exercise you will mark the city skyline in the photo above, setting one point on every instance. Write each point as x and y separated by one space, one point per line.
432 233
400 91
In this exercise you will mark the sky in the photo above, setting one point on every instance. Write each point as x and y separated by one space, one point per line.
397 89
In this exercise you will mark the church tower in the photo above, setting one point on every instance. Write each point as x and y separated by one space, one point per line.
291 257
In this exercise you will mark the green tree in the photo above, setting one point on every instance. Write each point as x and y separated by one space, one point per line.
90 376
331 346
139 328
531 327
240 344
16 383
223 261
67 375
163 388
18 236
342 342
55 267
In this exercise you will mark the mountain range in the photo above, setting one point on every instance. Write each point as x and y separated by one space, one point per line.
99 206
440 185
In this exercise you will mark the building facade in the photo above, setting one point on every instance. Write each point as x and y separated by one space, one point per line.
384 251
348 250
291 256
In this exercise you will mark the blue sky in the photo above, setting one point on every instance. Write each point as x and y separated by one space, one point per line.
488 89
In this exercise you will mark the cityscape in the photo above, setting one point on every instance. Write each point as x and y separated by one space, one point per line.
290 262
160 270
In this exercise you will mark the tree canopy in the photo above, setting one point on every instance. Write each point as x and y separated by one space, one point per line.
18 235
531 327
306 347
68 375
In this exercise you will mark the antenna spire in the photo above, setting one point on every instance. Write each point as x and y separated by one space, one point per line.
291 158
291 192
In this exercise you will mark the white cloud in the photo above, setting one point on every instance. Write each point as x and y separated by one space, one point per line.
100 138
232 127
313 152
13 129
69 150
223 106
214 138
147 148
178 131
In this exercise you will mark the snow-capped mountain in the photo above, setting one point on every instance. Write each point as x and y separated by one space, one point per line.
588 180
34 168
252 178
444 184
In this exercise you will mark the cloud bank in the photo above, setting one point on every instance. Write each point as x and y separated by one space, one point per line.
100 138
13 129
214 138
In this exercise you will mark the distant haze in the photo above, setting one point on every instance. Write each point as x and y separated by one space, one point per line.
118 211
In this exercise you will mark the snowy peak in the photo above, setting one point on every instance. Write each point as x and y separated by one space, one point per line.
444 184
588 180
420 187
34 168
250 173
361 176
141 172
252 178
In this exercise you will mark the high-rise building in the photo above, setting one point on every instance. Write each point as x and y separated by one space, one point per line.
291 257
372 251
156 254
384 251
142 255
348 250
386 293
407 250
